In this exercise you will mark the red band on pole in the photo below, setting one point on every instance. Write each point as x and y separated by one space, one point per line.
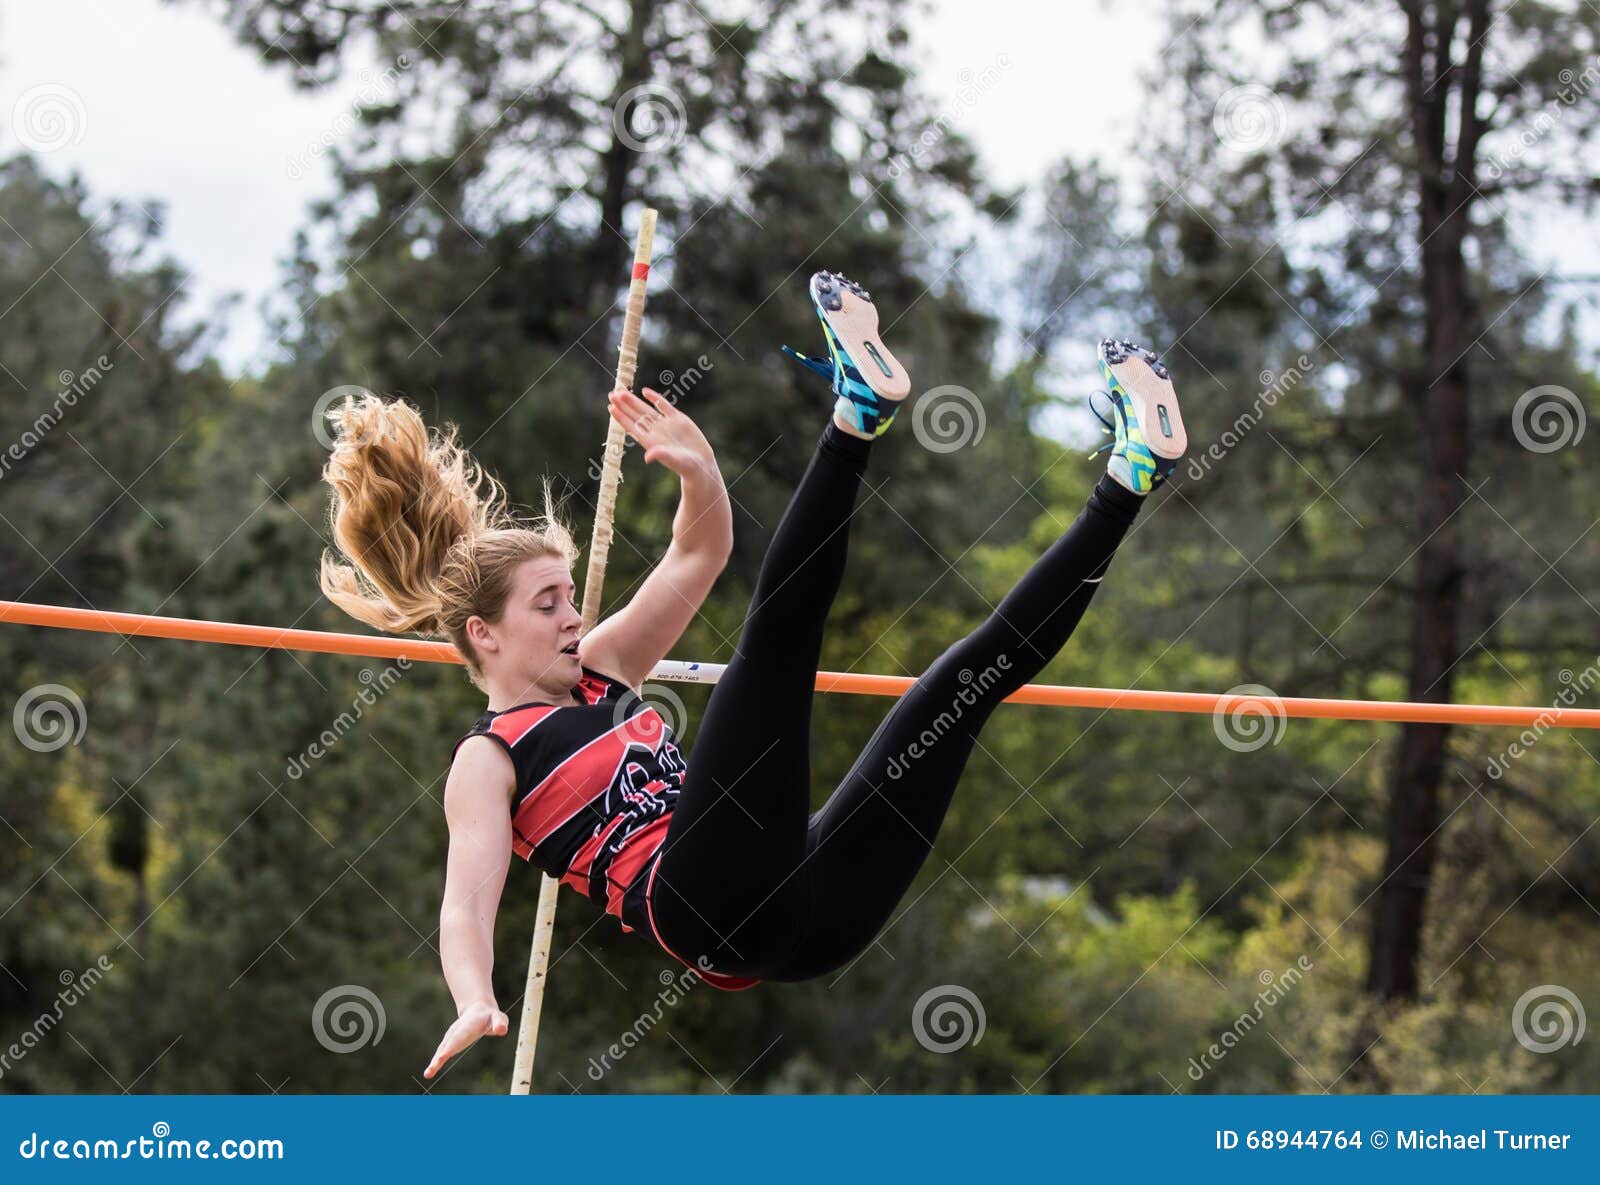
641 270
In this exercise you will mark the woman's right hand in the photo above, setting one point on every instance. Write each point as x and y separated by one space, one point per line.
669 436
476 1020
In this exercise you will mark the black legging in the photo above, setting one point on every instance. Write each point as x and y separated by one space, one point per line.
749 878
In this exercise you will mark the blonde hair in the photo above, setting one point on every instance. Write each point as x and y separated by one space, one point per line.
428 535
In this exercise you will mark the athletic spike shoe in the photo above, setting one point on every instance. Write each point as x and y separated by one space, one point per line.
1140 409
867 378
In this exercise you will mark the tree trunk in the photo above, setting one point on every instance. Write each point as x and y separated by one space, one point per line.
1445 199
611 248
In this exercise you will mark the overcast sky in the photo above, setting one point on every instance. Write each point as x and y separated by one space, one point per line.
196 121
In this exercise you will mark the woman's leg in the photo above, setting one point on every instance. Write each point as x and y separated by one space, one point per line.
726 886
867 842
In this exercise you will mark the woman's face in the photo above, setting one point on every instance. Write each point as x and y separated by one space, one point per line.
534 651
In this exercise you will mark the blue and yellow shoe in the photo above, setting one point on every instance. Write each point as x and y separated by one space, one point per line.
867 378
1140 409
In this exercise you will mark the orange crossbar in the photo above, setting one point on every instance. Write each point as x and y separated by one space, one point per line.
140 625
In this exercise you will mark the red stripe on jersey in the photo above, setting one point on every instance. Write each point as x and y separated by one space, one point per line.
578 871
512 726
584 776
636 851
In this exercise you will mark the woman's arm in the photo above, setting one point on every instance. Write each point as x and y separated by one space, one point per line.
477 807
630 642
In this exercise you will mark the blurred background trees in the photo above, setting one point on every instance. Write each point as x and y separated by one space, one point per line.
1329 246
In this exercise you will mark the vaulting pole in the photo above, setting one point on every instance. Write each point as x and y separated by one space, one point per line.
544 925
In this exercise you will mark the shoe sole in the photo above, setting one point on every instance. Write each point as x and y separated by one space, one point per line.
1142 378
852 316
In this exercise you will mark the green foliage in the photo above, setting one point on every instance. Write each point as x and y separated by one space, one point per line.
1117 890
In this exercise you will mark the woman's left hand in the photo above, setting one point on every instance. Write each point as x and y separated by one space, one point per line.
481 1019
668 436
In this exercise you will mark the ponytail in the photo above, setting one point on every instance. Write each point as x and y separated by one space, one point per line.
426 536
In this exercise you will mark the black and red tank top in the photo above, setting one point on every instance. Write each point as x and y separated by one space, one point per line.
595 786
